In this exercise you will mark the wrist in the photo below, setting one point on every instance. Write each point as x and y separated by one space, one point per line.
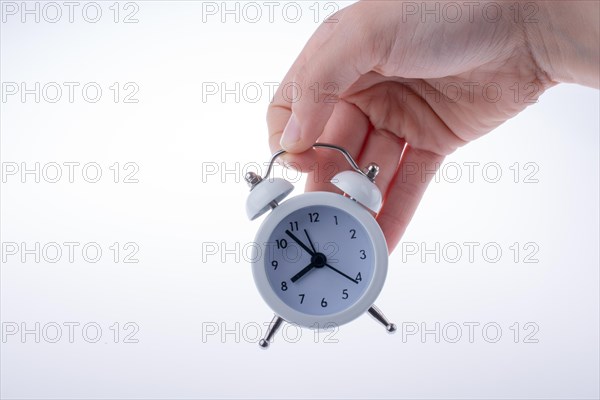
563 40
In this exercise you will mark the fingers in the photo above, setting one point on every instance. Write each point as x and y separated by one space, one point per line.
394 112
335 58
280 109
339 63
394 107
417 168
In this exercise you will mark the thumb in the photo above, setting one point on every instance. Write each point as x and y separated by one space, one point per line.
320 82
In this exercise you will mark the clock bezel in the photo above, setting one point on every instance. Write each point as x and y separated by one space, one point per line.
380 261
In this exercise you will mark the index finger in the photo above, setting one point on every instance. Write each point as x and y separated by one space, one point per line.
280 109
352 49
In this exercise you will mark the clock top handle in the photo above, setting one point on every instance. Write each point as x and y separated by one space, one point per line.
358 184
371 171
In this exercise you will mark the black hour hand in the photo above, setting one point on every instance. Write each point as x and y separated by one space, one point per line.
304 271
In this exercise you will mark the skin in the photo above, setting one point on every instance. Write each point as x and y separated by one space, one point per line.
404 93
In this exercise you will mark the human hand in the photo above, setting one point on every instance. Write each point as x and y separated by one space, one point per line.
403 93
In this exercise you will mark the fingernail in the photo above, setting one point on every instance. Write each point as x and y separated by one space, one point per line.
291 133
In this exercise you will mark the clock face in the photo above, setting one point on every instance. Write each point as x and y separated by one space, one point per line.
319 260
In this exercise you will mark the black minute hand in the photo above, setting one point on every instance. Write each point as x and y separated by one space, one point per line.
295 239
341 273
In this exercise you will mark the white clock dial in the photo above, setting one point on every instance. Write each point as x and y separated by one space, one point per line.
319 260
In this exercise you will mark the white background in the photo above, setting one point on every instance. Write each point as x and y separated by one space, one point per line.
180 212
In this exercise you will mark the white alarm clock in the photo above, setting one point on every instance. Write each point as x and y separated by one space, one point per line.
320 259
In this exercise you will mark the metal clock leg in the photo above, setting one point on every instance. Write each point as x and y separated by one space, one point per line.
378 315
271 331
